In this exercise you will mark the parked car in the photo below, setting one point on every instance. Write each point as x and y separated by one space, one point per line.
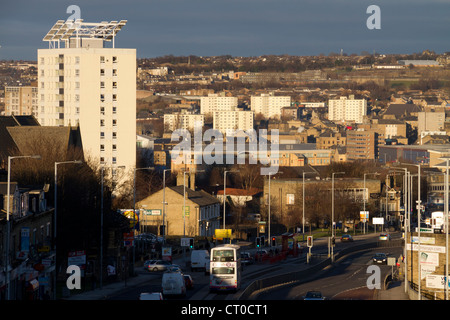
189 282
151 296
314 295
384 237
147 263
380 258
346 238
246 258
158 265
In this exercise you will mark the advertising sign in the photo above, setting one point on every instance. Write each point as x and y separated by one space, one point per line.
132 216
128 239
167 253
435 281
151 212
77 258
364 216
222 233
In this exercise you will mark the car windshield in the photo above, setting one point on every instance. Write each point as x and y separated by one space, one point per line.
314 295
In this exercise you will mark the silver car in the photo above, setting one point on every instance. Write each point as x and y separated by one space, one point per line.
158 265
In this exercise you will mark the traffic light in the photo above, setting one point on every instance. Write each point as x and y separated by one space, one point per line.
258 242
191 243
273 242
333 240
309 241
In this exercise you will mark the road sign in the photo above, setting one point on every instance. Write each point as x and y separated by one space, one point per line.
185 242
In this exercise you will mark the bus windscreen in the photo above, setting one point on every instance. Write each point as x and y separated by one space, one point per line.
223 255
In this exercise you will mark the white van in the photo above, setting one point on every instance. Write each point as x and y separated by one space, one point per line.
200 260
173 283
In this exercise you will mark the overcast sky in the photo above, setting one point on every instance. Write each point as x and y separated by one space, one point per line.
237 27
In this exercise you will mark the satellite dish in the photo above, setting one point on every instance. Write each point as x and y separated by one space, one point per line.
300 129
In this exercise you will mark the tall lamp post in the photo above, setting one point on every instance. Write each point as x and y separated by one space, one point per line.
446 224
164 205
406 191
419 206
364 198
184 209
101 222
270 174
303 203
134 211
332 212
8 223
225 192
55 215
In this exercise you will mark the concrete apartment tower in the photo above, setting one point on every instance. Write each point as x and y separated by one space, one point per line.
83 82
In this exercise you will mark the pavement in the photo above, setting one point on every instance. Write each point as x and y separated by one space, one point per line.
395 291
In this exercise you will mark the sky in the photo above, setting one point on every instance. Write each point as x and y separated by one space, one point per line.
237 27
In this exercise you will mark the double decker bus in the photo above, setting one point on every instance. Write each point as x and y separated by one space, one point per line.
225 268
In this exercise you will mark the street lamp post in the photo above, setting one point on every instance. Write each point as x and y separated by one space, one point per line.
101 223
225 192
332 212
364 199
134 212
303 203
8 222
55 215
164 204
446 224
418 229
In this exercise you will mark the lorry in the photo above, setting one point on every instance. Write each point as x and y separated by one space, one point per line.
200 260
437 220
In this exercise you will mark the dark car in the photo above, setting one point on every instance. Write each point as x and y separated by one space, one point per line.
246 258
346 238
314 295
380 258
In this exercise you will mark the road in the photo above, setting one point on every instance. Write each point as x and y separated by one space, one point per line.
343 272
346 280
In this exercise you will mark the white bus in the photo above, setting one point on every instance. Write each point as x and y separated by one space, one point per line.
225 268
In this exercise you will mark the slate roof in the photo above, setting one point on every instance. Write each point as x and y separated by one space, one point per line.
400 110
201 197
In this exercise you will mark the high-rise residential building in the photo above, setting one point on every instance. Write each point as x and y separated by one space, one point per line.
217 102
229 121
182 120
21 100
429 122
362 144
83 82
347 109
269 105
